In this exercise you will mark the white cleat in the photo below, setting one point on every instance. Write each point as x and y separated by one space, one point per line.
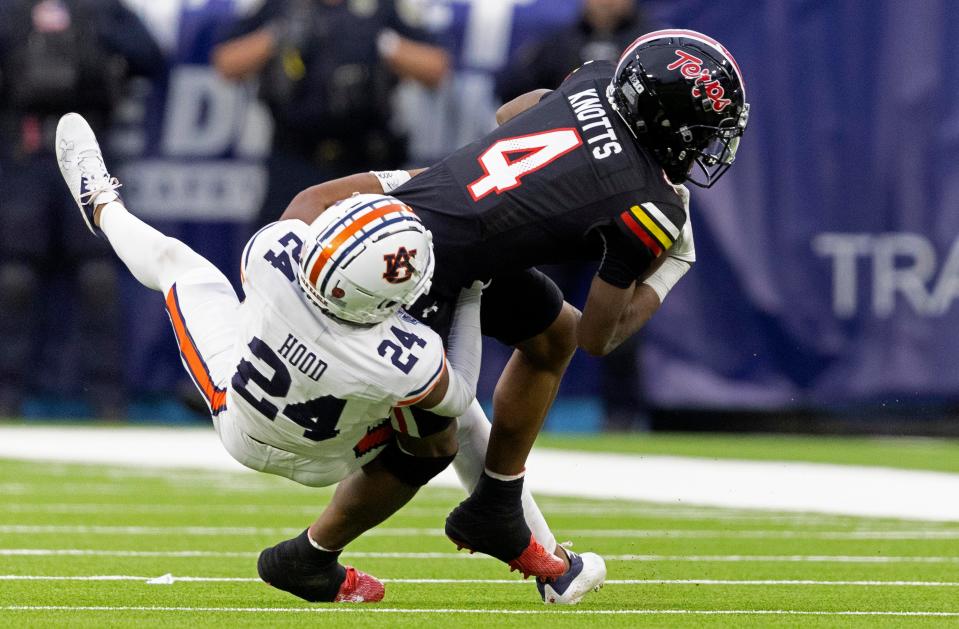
82 167
587 573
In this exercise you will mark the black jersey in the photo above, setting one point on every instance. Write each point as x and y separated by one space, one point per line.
563 181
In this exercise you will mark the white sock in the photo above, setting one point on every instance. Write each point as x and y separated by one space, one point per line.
154 259
470 461
504 477
317 546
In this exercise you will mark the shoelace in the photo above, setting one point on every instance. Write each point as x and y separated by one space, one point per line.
349 584
95 179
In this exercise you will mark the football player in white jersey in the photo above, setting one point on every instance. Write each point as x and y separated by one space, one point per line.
319 375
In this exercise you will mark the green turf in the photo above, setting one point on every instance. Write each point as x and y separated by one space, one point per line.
908 453
231 516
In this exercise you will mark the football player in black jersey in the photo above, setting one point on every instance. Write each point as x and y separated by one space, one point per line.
590 171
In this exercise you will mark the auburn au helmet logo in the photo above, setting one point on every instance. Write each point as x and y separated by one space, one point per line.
398 266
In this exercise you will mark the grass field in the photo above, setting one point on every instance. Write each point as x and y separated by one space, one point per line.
79 543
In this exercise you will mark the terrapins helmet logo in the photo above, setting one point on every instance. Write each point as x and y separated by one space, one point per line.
682 96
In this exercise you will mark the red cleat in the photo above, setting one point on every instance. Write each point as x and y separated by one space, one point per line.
359 587
491 521
535 560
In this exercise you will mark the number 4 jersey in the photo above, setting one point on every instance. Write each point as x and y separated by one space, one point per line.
564 181
311 385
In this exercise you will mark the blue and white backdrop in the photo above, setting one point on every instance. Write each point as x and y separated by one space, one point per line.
828 265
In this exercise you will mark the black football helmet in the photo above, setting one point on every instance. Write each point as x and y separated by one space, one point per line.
682 95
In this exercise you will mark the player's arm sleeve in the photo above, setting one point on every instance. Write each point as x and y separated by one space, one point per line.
462 364
465 354
636 237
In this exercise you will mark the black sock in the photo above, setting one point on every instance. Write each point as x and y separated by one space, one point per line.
298 567
491 520
309 552
504 496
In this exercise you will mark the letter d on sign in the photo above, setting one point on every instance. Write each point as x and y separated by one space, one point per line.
201 113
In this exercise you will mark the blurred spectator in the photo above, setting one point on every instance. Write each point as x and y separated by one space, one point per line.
604 29
58 56
327 69
482 36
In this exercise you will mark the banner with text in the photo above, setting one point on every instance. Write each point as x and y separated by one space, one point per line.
828 258
193 147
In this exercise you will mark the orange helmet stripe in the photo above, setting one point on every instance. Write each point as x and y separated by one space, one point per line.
327 252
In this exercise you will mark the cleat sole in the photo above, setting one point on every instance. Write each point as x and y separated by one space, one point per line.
460 545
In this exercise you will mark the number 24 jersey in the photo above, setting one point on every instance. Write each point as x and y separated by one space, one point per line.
306 382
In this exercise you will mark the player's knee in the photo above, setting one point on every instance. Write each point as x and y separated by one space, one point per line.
19 283
174 260
437 444
170 252
417 461
553 348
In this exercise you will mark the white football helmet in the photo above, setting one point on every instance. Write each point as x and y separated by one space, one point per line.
365 257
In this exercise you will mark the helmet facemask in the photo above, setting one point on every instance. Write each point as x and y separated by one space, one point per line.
719 150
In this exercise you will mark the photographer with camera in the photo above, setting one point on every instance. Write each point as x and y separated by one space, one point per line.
327 70
58 56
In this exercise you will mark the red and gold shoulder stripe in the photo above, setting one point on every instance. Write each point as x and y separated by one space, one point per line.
651 226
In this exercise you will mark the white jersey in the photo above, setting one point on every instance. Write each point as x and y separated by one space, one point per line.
309 384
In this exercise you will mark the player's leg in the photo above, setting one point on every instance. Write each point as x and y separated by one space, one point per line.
156 260
200 300
526 310
526 391
307 565
473 433
365 499
585 572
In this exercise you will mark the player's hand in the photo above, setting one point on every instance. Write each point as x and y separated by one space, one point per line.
472 293
684 248
683 193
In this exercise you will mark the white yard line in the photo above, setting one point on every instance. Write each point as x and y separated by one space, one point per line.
770 485
436 532
484 612
79 552
785 558
215 531
718 582
550 506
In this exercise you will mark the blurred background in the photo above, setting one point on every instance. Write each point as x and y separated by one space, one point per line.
822 300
